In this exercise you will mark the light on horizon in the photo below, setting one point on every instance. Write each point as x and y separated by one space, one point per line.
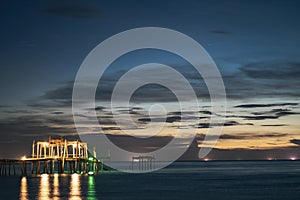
293 158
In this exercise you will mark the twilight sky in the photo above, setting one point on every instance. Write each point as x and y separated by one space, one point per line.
254 44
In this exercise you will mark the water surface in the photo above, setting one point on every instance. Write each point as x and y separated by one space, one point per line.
181 180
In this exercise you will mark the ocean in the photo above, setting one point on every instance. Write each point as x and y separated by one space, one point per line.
181 180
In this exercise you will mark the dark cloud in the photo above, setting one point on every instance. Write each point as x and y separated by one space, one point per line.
73 11
62 121
271 135
25 128
182 113
247 124
43 102
203 117
222 137
221 32
276 115
106 121
207 125
133 112
295 141
228 123
173 119
278 78
57 113
22 111
136 108
276 70
274 125
139 145
267 114
61 93
241 84
270 112
130 111
37 125
62 96
175 113
265 105
153 93
241 136
144 119
169 119
285 113
144 145
262 117
232 137
206 112
99 108
4 106
278 112
112 128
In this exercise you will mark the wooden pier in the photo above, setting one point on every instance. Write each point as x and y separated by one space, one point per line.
55 156
144 163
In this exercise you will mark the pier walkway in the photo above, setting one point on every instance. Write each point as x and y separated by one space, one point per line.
55 156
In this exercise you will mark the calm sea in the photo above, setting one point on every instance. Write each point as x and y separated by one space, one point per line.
181 180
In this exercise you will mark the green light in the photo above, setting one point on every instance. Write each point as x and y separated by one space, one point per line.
91 173
91 188
91 181
91 159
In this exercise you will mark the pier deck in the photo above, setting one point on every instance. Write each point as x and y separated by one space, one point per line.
55 156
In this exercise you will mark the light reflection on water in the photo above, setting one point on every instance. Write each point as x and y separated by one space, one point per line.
183 180
75 191
91 188
56 193
44 191
23 190
73 187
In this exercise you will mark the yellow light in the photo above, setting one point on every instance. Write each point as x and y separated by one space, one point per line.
75 189
44 187
23 158
24 189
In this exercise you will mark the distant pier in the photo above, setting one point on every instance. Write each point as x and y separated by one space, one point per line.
142 163
55 156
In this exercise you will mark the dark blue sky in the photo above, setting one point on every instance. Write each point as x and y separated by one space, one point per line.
255 45
44 42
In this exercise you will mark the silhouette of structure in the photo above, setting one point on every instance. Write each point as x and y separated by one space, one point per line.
142 163
55 156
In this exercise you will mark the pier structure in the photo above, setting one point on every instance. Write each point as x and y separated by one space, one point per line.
142 163
55 156
59 148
